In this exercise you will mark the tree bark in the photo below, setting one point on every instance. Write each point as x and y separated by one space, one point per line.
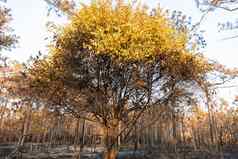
110 142
82 138
26 124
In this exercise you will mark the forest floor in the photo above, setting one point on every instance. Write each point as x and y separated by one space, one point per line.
67 152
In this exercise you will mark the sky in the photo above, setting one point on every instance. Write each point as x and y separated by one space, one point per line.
30 18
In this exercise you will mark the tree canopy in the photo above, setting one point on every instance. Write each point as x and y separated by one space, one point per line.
118 36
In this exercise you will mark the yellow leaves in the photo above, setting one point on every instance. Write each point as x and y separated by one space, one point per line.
128 33
121 31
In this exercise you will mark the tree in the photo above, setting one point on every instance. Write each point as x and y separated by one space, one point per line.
7 40
207 6
227 5
111 63
64 6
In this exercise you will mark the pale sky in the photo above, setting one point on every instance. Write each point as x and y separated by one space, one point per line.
29 19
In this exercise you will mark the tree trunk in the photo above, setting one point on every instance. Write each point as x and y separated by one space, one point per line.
110 142
76 132
26 125
110 153
2 113
136 140
82 138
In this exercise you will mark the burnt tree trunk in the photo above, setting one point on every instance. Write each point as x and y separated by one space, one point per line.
82 138
111 142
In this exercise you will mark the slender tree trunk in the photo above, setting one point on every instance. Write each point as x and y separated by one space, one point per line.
26 125
76 132
76 139
210 116
82 135
119 137
183 131
174 127
136 139
2 113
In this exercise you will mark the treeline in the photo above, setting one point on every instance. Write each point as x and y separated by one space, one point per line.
167 129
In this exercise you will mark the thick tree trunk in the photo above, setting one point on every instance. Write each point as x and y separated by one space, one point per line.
110 153
110 142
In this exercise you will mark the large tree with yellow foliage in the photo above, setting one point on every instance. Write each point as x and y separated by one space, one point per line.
113 61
